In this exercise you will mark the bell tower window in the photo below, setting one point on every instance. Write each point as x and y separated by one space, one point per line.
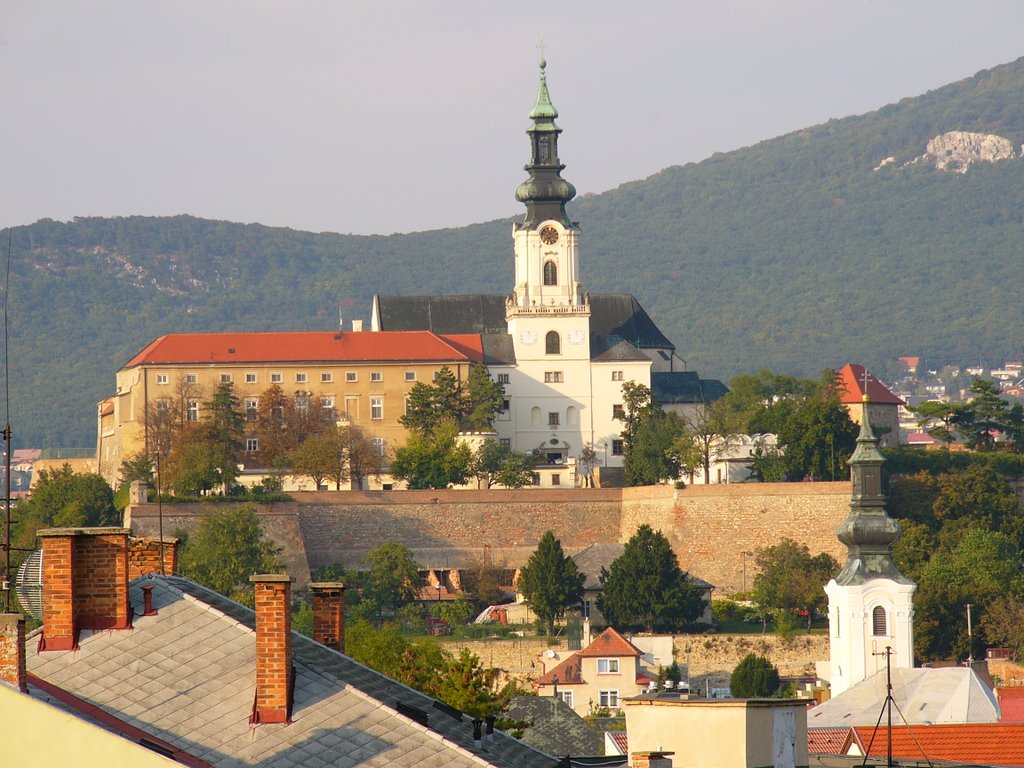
553 343
879 625
550 273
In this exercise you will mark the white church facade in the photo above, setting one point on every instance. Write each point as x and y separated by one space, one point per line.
562 353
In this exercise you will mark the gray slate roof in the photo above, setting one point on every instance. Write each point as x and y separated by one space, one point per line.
611 314
685 387
187 676
556 728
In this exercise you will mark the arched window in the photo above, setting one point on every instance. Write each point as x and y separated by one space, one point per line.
550 273
879 625
572 416
553 343
535 416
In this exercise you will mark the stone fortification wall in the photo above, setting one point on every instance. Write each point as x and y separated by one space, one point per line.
280 523
447 527
710 527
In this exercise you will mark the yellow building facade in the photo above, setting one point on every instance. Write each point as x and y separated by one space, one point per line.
363 377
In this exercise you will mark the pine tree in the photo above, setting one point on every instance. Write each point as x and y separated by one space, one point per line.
754 677
645 588
551 582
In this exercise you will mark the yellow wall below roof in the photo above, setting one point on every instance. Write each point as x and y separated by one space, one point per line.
37 733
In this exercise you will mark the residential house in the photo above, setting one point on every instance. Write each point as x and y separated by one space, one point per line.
964 743
717 733
598 677
363 378
208 682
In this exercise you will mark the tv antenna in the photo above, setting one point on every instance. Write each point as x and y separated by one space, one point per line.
887 707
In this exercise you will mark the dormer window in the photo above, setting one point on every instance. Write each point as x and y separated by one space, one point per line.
550 273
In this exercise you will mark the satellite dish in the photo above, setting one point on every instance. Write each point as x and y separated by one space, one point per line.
549 653
29 585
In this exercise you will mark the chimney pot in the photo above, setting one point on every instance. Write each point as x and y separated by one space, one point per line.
274 672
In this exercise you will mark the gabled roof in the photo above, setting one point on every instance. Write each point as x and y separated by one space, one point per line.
972 743
611 314
942 695
591 560
610 643
1011 703
850 380
187 676
569 672
685 387
555 728
308 347
620 740
614 349
827 741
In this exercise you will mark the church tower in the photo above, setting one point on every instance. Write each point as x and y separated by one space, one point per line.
870 603
547 314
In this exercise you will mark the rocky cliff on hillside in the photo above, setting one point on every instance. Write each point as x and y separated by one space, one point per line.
957 150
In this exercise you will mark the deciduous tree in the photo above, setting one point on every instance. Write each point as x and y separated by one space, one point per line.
225 548
791 580
551 582
434 460
393 575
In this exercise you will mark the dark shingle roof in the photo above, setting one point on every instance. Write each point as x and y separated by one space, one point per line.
611 314
685 387
610 349
187 676
555 728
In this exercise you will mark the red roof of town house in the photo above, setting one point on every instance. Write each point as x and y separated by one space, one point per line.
1011 703
977 743
610 643
827 741
850 379
569 672
309 347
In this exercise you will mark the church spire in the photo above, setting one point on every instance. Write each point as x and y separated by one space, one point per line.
545 193
868 532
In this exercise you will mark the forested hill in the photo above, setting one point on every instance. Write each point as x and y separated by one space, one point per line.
793 254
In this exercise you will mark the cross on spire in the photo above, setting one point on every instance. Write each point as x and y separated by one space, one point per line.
867 378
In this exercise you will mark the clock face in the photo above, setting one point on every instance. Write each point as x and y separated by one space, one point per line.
549 235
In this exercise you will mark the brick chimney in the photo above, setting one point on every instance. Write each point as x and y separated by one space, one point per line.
329 614
274 673
12 650
144 556
651 760
85 583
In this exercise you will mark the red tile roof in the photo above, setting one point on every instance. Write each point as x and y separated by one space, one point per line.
620 740
827 741
610 643
979 743
569 672
1011 703
850 379
309 347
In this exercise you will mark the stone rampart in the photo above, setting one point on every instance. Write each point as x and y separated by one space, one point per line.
714 529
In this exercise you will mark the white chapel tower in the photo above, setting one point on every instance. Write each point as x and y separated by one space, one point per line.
548 315
870 603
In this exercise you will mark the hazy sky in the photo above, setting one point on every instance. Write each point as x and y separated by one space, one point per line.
376 116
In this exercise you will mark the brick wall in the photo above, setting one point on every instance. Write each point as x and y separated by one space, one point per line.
12 650
144 556
709 526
